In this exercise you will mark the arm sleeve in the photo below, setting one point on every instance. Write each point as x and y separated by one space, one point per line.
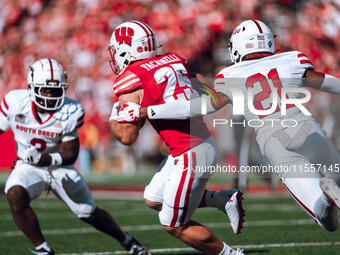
331 84
181 109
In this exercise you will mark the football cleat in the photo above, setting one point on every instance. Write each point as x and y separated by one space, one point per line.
234 209
43 251
331 190
136 248
237 252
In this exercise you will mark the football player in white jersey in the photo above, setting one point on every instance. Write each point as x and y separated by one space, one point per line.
45 123
257 85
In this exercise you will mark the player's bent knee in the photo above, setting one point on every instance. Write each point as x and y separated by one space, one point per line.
84 211
174 231
153 205
18 198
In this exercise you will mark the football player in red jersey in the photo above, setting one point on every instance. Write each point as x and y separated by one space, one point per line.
178 187
305 159
45 124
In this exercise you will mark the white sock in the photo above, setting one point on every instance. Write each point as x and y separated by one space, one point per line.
43 245
227 250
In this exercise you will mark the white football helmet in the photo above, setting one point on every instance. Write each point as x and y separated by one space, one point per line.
130 41
251 36
47 84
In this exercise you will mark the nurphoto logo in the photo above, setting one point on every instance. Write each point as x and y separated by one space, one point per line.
259 104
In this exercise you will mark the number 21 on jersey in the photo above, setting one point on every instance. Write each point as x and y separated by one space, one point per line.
265 100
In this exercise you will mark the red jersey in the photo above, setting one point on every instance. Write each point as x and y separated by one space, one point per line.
163 79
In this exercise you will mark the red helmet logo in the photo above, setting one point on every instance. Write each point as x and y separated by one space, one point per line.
124 35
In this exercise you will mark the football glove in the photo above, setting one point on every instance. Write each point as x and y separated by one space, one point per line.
128 113
31 155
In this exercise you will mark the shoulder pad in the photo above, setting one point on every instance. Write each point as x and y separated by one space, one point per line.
126 82
12 100
303 59
72 114
70 110
4 107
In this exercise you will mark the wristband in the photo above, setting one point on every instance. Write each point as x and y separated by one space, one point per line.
56 159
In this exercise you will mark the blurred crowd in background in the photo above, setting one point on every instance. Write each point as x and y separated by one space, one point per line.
77 32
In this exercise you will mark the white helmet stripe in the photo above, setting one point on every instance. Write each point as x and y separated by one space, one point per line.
149 33
146 30
153 41
145 27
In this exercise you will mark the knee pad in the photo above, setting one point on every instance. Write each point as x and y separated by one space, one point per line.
83 210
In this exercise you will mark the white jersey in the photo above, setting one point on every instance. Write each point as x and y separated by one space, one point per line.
17 112
261 77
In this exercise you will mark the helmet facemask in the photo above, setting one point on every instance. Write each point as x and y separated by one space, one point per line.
235 56
47 97
119 60
47 84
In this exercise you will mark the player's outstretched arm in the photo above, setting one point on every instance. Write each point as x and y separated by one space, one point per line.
170 110
184 109
321 81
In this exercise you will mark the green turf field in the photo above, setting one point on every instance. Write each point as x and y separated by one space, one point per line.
274 225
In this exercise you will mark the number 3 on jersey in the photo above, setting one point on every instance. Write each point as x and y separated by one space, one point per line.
39 144
177 79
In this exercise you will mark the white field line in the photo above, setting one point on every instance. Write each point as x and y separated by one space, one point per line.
273 207
249 246
119 207
51 200
117 211
260 223
69 215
